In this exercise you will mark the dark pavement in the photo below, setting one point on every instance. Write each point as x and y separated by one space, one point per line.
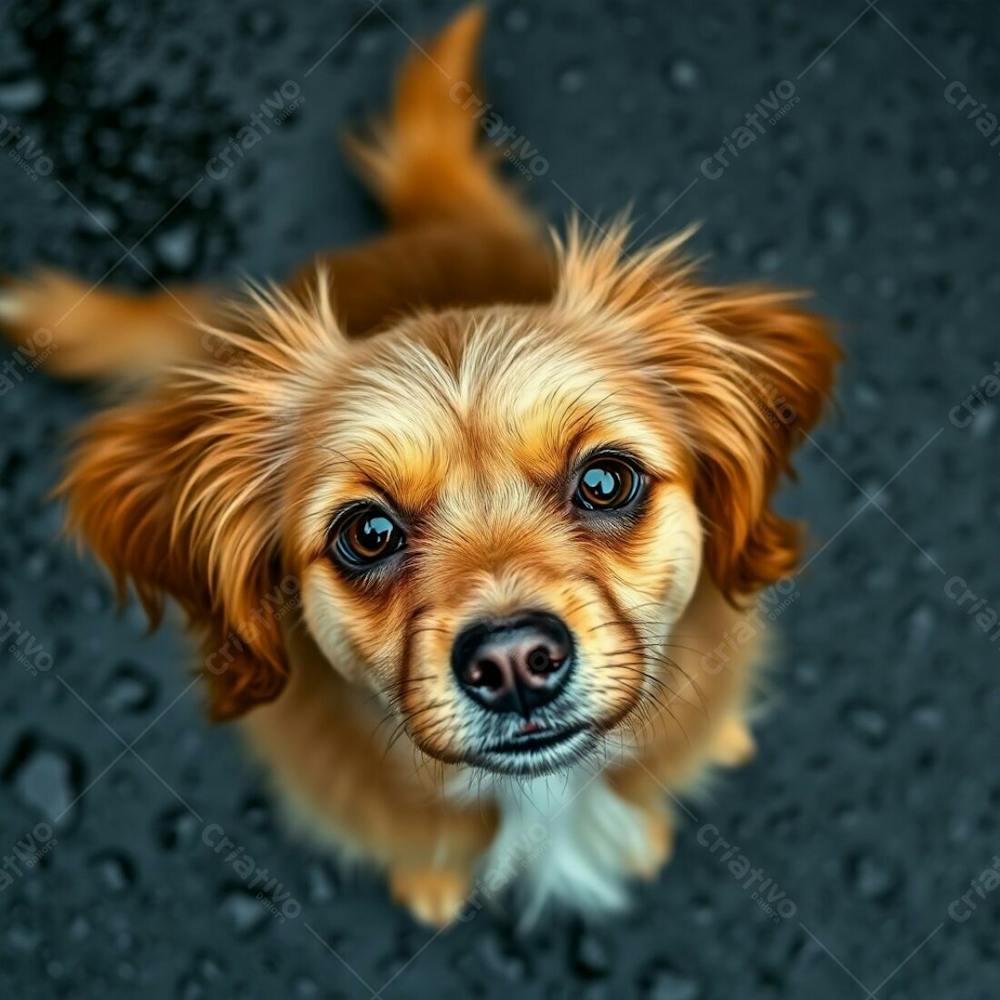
873 802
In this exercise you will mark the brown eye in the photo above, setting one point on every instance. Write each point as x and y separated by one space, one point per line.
367 536
607 483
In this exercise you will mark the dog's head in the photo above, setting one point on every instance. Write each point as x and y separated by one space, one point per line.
492 517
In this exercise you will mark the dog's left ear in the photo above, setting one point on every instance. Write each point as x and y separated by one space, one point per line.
180 492
745 371
768 371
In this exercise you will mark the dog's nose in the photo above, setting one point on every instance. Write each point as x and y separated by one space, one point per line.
514 666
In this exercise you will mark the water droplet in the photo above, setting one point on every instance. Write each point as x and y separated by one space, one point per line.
115 870
190 989
99 221
807 675
927 714
767 258
839 218
22 95
500 957
321 886
517 20
244 911
46 777
256 813
21 938
176 828
667 984
128 691
868 395
209 967
684 74
983 421
590 954
79 928
920 624
867 721
572 79
262 24
177 246
873 877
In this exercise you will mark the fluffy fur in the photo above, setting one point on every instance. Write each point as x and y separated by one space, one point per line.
456 369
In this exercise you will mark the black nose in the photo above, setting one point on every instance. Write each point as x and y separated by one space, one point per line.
516 665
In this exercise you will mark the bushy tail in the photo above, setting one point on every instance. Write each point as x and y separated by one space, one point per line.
423 162
77 330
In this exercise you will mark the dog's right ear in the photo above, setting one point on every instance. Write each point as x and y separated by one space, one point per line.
179 492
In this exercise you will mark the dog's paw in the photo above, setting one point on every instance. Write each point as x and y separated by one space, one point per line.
433 896
734 744
40 300
658 849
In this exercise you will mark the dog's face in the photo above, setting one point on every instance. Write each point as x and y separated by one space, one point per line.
495 516
502 528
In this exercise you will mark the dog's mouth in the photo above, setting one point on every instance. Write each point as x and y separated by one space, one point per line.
536 750
534 738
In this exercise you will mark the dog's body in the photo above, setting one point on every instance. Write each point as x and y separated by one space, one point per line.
366 507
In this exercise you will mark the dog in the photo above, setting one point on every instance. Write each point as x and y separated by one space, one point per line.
469 519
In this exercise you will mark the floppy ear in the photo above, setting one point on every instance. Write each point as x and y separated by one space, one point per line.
745 371
179 492
771 367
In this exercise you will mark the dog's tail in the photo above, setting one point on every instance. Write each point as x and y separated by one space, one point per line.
77 330
423 163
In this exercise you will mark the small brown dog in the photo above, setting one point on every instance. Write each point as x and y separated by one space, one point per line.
511 495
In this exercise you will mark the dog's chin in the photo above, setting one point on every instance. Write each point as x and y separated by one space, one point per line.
547 751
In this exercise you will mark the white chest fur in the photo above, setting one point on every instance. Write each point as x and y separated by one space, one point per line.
567 839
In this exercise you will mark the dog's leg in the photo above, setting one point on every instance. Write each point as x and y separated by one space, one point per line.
434 896
645 793
659 840
74 329
734 744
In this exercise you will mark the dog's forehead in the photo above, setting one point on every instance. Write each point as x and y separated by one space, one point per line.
469 410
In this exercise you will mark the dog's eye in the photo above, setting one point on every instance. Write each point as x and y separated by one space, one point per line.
607 483
365 537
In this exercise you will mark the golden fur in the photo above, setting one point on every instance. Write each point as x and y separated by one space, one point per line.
456 369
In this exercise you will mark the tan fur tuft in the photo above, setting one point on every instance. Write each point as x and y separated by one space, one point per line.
423 164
